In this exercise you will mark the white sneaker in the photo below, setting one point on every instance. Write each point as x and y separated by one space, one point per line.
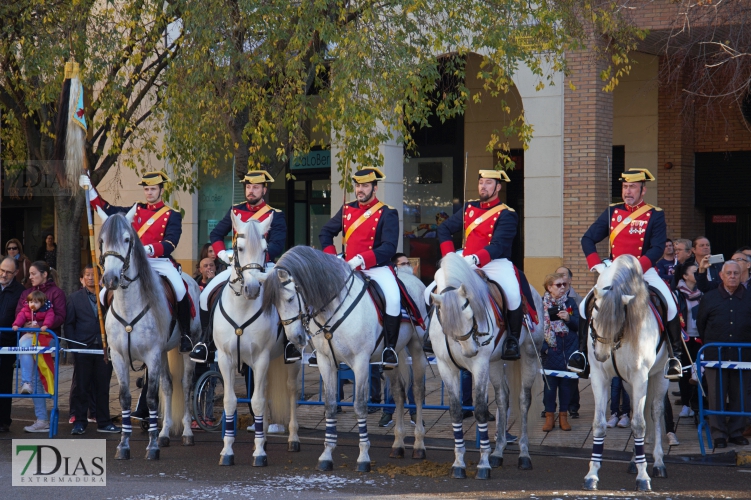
672 439
686 412
624 421
38 426
26 388
613 420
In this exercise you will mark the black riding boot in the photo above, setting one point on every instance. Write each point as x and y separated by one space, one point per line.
673 369
291 353
577 362
510 350
142 410
391 325
183 319
200 352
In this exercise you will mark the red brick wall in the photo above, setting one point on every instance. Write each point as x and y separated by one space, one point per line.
588 140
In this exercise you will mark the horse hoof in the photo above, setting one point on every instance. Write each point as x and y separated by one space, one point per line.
363 466
325 465
188 441
661 472
164 441
590 484
226 460
260 461
483 473
525 463
397 452
122 454
643 485
632 468
495 461
458 473
293 446
418 454
152 454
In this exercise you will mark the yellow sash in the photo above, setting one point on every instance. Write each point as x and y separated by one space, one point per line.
153 218
257 215
625 222
490 213
375 208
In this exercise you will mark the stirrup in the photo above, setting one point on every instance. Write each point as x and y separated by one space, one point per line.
388 364
291 358
312 360
186 346
199 355
673 376
576 369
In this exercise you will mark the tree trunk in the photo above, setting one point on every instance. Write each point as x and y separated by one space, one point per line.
69 213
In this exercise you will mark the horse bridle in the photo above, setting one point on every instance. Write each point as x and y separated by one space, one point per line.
593 331
474 331
301 316
125 260
239 270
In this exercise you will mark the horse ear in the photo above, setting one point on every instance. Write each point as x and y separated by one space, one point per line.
627 299
266 223
132 213
437 299
102 215
282 274
462 291
236 221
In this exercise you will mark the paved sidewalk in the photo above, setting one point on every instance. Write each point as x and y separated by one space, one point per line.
437 422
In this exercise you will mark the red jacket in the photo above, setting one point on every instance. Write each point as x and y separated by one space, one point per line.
54 295
44 317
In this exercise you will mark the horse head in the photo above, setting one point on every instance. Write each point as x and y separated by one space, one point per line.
620 287
457 319
281 290
249 254
117 243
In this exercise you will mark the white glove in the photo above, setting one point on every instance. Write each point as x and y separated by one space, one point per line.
222 255
472 260
598 268
356 262
149 250
84 181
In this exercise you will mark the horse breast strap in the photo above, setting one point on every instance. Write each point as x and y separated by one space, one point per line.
239 329
129 328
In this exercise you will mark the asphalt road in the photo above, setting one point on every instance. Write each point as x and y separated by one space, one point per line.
194 473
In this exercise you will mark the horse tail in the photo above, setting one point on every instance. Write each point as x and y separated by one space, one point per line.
176 370
277 393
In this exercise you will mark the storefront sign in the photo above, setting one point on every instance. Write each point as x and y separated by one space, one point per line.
723 219
314 159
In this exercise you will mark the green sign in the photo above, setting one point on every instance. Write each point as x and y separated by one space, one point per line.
314 159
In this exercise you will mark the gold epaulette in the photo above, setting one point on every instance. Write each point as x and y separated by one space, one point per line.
657 209
509 208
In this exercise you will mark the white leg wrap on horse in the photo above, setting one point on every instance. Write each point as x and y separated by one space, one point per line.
386 280
502 272
655 281
165 268
223 276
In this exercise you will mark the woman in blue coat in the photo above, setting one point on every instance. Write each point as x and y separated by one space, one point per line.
561 322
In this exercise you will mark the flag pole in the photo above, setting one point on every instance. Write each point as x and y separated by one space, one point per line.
96 274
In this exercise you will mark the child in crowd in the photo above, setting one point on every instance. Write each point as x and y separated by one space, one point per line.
37 313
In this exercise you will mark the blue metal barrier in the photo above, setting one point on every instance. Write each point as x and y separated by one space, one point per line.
722 367
54 348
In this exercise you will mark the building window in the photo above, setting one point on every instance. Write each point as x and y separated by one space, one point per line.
617 166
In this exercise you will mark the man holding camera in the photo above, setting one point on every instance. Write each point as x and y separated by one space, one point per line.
636 228
710 266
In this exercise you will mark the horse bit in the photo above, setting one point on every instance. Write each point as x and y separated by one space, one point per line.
474 331
239 270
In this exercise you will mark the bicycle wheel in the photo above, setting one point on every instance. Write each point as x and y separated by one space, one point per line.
208 401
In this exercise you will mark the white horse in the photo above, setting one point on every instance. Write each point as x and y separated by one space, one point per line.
139 330
624 342
465 334
320 299
246 333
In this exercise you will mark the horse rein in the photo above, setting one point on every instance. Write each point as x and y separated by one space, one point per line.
474 330
239 270
593 331
126 263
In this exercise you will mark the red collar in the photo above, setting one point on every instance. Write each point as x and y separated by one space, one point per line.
255 208
635 207
489 204
155 206
370 204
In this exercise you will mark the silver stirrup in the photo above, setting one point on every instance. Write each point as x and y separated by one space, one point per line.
577 370
672 377
384 352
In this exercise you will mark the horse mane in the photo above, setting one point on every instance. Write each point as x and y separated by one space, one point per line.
627 279
457 272
151 289
320 278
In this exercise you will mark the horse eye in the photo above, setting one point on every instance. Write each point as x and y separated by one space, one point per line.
289 300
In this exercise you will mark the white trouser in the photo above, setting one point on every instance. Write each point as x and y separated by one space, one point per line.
163 267
654 280
499 270
386 280
216 281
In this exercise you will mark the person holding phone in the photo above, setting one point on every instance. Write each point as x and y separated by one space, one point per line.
708 275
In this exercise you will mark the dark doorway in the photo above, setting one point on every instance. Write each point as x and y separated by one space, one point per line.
515 200
309 207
